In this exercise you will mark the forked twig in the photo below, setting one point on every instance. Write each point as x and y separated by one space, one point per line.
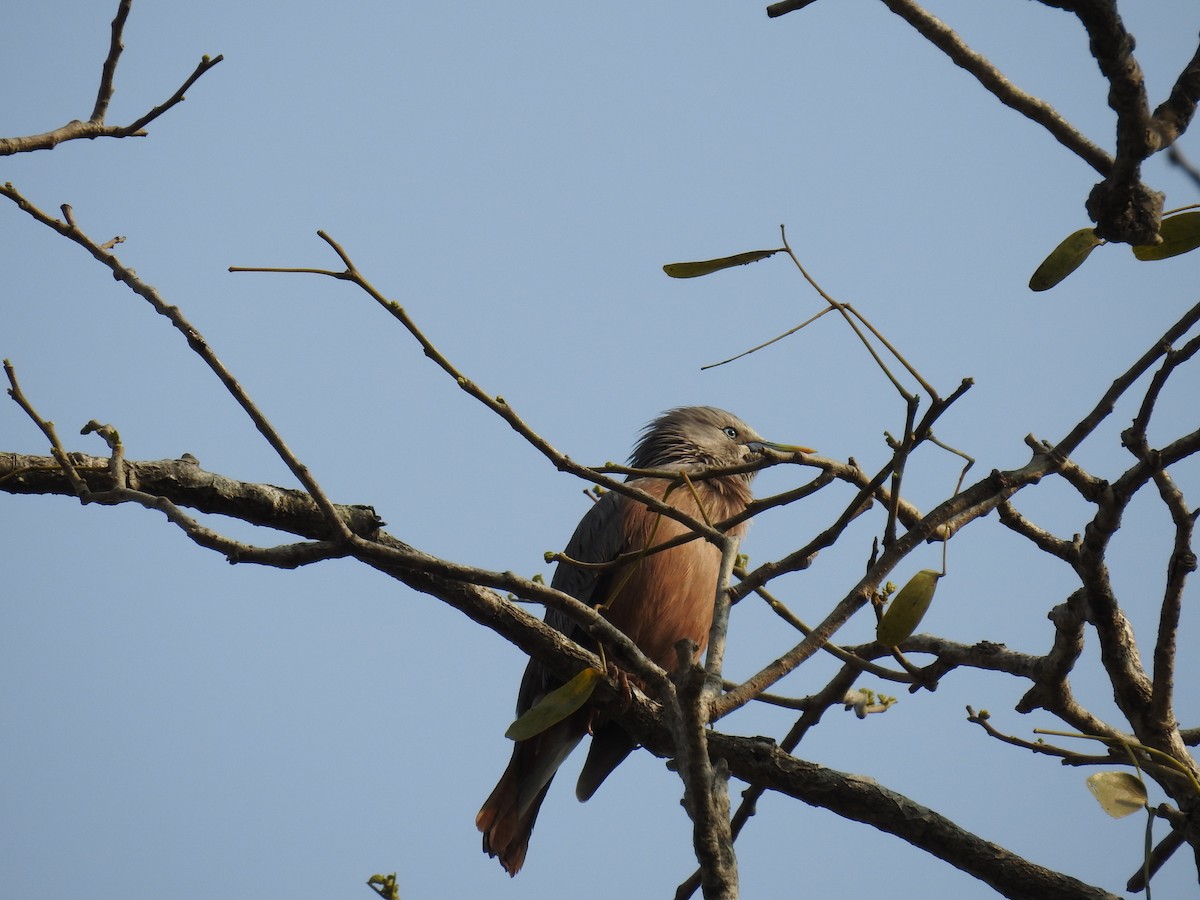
499 405
95 125
196 341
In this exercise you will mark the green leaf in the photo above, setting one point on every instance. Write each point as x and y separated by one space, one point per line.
904 613
1180 234
708 266
384 886
1064 259
555 706
1119 793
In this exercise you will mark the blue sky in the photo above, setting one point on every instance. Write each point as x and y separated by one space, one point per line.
516 176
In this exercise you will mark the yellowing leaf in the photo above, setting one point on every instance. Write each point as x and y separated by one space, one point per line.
708 266
1179 234
1119 793
555 706
1064 259
904 613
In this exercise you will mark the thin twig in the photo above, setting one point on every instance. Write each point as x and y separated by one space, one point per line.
899 458
850 320
1042 539
500 406
199 346
1107 403
95 126
847 657
722 604
1177 158
768 343
1069 757
47 428
108 72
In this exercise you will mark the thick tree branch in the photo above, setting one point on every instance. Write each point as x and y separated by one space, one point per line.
749 759
760 762
833 692
947 40
678 725
1174 115
864 800
184 483
706 782
1122 207
1181 564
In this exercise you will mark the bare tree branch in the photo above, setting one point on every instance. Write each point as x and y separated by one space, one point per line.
184 483
864 800
1174 115
706 785
1107 403
1122 207
674 717
1176 158
196 342
95 126
945 39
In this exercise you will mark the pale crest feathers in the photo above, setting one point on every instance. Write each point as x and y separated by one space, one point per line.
694 437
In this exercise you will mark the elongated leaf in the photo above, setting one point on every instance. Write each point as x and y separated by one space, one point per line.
708 266
1119 793
1180 234
1064 259
555 706
905 612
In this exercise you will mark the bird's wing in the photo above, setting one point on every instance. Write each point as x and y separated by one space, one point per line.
599 537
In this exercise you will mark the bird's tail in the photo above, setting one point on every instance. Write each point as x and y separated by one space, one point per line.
506 828
507 816
610 745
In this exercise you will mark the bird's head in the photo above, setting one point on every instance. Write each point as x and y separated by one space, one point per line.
700 437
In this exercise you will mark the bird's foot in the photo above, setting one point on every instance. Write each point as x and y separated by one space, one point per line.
624 687
621 701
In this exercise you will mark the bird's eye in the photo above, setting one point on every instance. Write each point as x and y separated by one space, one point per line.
730 431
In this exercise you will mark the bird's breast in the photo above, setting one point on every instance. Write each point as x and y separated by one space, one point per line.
668 595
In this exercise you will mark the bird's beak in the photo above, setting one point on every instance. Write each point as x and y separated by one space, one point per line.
759 446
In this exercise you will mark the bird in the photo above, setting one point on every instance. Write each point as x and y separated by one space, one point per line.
656 600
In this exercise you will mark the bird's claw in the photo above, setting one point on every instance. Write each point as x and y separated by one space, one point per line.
621 701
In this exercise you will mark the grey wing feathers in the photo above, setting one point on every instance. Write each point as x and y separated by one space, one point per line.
598 537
